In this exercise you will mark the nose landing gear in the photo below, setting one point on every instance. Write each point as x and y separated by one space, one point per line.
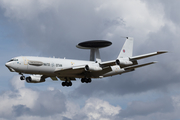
22 76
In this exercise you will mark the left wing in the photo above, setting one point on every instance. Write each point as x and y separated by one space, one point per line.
71 70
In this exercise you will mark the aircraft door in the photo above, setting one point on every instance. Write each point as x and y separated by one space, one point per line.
25 63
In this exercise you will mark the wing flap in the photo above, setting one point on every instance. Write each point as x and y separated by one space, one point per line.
147 55
69 78
54 78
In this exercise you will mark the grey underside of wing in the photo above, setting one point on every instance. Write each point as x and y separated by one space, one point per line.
80 72
70 71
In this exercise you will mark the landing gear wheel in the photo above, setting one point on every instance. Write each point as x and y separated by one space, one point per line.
67 84
22 77
89 80
28 79
86 80
70 83
63 84
82 80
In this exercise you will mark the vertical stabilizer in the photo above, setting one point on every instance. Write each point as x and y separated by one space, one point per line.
127 49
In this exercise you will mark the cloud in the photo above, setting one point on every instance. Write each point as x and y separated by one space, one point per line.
162 105
165 108
49 27
94 109
17 84
22 102
53 28
25 101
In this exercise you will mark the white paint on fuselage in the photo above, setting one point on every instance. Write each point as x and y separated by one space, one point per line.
48 68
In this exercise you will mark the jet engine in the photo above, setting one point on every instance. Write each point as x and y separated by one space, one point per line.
93 68
124 63
35 79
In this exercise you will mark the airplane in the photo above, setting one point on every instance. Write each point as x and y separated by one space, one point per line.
68 70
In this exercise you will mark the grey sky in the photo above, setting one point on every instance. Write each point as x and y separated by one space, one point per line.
54 28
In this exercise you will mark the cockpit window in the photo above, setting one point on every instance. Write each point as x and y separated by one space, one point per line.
10 60
13 60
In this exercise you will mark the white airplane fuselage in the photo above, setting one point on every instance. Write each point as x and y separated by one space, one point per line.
49 65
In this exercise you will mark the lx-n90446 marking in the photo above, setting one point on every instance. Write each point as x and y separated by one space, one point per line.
68 70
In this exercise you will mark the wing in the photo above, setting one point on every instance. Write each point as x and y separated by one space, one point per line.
137 66
113 62
71 70
108 63
79 72
147 55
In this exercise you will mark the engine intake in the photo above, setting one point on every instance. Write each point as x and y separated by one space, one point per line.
124 63
92 68
35 79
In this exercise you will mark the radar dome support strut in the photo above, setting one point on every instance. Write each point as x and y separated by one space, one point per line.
94 46
94 52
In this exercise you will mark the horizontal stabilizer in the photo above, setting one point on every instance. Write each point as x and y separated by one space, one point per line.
137 66
147 55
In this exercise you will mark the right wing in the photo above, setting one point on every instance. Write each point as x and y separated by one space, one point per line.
113 62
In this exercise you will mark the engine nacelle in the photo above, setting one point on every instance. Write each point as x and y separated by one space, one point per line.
93 68
124 63
35 79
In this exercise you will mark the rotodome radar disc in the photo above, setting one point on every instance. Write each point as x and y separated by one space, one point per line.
94 44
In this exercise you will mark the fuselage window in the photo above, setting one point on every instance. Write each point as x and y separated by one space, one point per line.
46 64
58 65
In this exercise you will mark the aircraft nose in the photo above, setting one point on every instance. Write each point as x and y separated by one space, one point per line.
7 64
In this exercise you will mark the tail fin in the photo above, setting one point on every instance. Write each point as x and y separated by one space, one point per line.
127 49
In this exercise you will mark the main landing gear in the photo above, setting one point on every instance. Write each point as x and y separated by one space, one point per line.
66 83
86 80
